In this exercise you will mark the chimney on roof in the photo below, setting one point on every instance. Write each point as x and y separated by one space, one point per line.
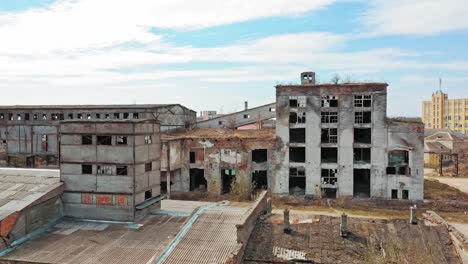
307 77
246 105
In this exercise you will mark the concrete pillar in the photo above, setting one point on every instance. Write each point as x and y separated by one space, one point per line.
344 225
246 105
287 226
413 215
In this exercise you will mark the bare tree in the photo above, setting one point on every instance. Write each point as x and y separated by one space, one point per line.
335 79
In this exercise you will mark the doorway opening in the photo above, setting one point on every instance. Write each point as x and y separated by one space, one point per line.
198 182
228 176
362 183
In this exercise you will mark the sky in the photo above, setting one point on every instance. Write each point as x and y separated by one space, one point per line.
214 55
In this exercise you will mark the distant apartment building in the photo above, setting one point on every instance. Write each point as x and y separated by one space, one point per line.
110 168
444 113
206 115
28 134
335 140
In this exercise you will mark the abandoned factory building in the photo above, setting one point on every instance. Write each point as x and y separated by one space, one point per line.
336 140
29 134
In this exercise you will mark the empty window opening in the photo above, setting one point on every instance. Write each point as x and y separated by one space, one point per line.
228 178
362 135
116 115
54 116
135 115
2 116
26 116
329 193
98 116
125 115
297 101
70 116
61 117
122 140
88 116
86 140
362 117
221 122
122 170
329 117
107 116
148 166
80 116
259 180
329 135
398 162
86 169
297 154
44 117
35 117
10 117
297 181
394 194
104 140
148 140
18 117
297 135
44 142
148 194
164 186
329 101
362 155
198 182
329 155
246 116
405 195
297 118
329 176
259 155
272 109
104 170
361 183
362 100
192 157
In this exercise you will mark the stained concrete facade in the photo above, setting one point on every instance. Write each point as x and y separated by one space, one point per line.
28 134
109 167
335 140
219 161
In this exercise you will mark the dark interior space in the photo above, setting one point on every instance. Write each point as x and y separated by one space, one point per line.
299 118
293 103
362 117
259 155
329 155
297 185
227 177
260 180
398 162
361 183
148 194
394 194
329 176
329 193
297 154
192 157
197 180
329 135
405 194
104 140
362 135
362 155
164 186
297 135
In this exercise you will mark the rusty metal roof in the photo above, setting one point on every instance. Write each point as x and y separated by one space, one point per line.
436 148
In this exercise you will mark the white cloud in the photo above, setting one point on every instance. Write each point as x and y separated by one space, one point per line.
423 17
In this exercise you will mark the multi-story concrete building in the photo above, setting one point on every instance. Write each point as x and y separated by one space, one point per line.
110 168
444 113
336 140
28 134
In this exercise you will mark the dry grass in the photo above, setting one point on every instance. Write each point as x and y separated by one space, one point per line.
392 253
435 190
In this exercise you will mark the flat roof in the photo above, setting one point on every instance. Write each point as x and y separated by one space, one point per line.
87 107
365 84
219 133
146 120
20 188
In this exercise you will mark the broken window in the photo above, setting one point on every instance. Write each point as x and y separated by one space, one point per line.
135 116
192 157
116 115
228 178
362 155
394 194
35 117
61 117
79 116
148 166
362 117
18 117
104 170
297 181
297 118
86 169
107 116
405 195
362 135
198 182
259 180
121 140
361 183
246 116
329 176
122 170
44 117
272 109
70 116
329 117
125 115
297 154
148 194
10 117
329 155
329 101
398 162
2 116
26 116
86 140
98 116
259 155
329 135
297 135
221 122
148 139
104 140
297 101
88 116
362 100
54 116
